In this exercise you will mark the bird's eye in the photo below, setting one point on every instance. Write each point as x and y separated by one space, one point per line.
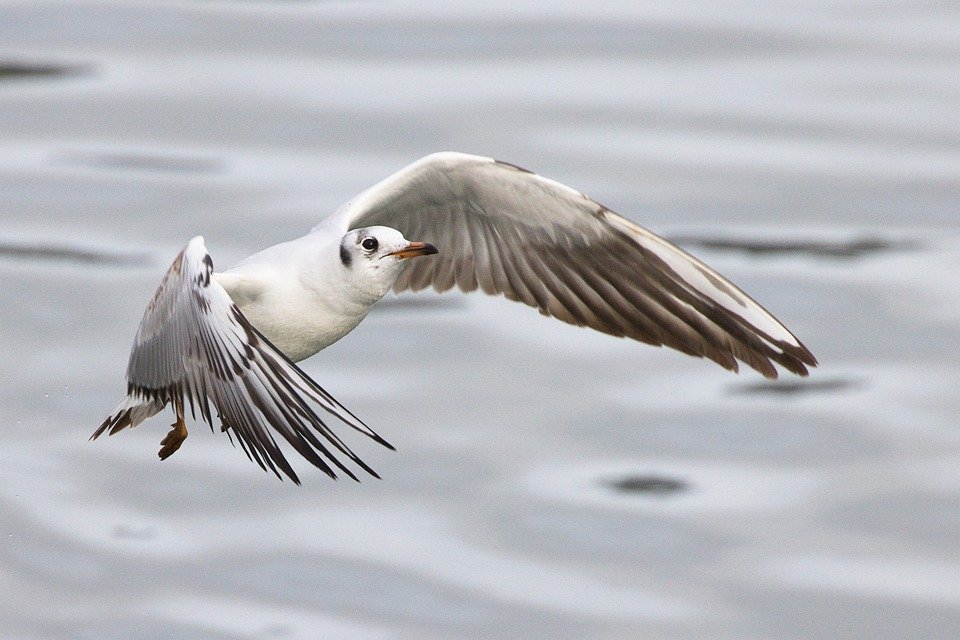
370 244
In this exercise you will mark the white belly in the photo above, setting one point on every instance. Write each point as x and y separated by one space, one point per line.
297 321
296 333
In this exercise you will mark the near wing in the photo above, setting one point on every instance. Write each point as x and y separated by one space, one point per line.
195 345
508 231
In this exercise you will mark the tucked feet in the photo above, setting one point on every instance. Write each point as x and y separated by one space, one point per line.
174 439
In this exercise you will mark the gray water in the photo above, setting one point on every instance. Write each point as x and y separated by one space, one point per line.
549 482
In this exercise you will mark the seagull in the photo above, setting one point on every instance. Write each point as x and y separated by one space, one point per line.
224 344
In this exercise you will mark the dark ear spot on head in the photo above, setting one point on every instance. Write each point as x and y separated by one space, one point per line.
345 256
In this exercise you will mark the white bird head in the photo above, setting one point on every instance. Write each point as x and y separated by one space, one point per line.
378 255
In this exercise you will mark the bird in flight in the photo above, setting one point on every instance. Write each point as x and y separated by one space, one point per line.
230 339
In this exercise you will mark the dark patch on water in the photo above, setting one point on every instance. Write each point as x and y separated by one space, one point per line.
152 162
794 387
855 248
649 485
23 70
63 253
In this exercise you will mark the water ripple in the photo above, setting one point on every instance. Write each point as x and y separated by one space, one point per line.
62 253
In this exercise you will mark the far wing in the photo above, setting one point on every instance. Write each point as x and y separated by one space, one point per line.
194 346
511 232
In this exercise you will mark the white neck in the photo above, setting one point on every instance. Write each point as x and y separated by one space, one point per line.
302 297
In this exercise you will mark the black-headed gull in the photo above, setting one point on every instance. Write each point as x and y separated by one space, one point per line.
231 338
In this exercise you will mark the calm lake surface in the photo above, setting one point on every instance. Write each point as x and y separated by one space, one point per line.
548 482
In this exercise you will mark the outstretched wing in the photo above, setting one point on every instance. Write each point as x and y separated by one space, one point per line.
194 347
508 231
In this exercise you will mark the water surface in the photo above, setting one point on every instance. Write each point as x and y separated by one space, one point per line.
548 482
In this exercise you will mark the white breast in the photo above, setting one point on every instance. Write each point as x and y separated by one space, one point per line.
295 295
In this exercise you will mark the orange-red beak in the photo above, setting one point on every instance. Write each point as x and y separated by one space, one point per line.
414 249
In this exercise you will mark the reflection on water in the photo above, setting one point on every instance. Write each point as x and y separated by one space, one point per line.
829 248
11 70
158 162
653 485
48 251
548 482
782 387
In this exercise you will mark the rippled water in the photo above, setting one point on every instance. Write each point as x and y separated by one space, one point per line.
548 482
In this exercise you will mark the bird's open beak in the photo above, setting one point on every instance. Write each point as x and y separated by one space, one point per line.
413 250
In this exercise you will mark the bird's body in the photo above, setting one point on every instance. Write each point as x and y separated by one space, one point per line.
296 296
231 338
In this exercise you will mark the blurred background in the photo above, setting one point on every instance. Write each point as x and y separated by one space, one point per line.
549 482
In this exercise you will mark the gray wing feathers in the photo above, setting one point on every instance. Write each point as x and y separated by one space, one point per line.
508 231
194 347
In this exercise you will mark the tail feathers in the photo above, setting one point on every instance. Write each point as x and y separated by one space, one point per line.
129 413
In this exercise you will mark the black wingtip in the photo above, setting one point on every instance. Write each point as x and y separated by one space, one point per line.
114 423
376 438
96 434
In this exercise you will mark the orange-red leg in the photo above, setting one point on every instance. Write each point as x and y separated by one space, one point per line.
177 435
